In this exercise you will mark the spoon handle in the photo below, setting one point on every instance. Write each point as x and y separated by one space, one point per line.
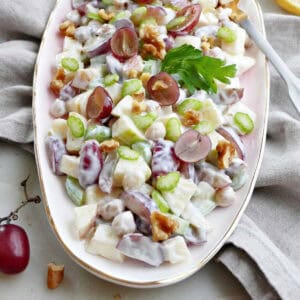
270 53
288 76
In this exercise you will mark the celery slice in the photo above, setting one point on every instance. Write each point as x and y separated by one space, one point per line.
75 191
244 122
173 129
76 126
70 64
127 153
160 201
168 182
226 34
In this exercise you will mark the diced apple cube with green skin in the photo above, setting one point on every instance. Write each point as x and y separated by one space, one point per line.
126 132
94 195
175 250
203 198
179 198
124 166
104 243
69 165
195 217
59 128
71 44
242 108
188 40
203 191
209 112
164 118
124 223
115 92
124 107
78 103
73 145
85 219
243 63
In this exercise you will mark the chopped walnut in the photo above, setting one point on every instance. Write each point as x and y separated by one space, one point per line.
132 73
226 152
109 145
153 43
104 15
67 28
138 107
162 226
138 96
191 117
55 275
159 85
56 86
145 78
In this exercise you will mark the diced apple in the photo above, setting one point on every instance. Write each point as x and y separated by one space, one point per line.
78 103
179 198
188 40
208 16
104 243
183 224
239 107
72 44
94 195
238 46
69 165
59 128
195 217
203 198
73 145
243 63
209 112
124 166
72 53
124 107
125 131
115 92
85 219
175 250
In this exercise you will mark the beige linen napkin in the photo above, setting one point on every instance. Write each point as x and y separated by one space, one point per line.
264 251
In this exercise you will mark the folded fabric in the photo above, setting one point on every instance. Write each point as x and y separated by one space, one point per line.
263 253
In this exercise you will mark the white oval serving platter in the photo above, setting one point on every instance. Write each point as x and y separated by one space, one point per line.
60 211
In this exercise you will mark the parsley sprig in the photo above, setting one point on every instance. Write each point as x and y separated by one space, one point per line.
196 71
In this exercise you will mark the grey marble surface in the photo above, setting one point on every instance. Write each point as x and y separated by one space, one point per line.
212 282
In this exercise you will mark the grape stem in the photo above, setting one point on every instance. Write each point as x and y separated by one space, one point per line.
14 214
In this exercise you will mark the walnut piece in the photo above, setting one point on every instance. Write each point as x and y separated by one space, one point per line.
67 28
109 145
104 15
139 97
55 275
191 117
226 153
132 73
138 107
56 86
153 44
162 226
145 78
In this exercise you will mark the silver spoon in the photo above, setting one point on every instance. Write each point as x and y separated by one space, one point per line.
287 75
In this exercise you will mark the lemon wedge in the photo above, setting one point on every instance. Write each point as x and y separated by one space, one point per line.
292 6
